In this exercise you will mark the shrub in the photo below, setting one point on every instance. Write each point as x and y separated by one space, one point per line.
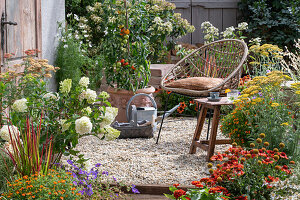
6 171
275 21
96 184
54 185
262 108
241 174
69 58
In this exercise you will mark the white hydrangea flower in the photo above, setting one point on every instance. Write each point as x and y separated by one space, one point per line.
84 81
65 86
228 33
64 126
6 129
20 105
109 116
87 110
243 26
89 95
51 96
255 41
83 125
8 146
110 133
104 95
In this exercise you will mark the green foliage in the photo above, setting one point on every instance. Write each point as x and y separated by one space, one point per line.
70 60
54 185
78 7
187 104
274 21
263 108
201 193
6 171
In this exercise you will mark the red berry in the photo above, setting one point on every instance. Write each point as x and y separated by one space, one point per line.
126 63
122 61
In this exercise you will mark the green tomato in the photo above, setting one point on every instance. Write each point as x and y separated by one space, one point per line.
119 64
126 37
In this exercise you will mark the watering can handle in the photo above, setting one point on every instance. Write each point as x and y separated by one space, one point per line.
131 99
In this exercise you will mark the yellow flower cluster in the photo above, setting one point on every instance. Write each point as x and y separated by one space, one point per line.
266 50
274 78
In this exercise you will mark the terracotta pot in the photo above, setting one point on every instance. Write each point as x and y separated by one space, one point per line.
120 97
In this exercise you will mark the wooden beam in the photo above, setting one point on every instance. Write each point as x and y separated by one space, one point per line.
38 25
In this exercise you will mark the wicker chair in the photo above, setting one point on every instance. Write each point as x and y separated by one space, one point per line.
221 60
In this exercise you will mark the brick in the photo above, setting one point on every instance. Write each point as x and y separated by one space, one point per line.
159 70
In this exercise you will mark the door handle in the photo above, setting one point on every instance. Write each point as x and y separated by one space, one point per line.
3 22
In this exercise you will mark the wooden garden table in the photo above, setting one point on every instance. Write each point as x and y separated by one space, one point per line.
208 145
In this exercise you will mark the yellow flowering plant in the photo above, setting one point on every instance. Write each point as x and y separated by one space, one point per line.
264 58
263 108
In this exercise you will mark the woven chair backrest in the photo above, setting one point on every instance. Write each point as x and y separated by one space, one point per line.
216 60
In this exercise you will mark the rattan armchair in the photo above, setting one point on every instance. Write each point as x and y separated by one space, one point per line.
220 60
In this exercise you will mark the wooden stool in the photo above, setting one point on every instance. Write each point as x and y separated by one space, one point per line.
208 145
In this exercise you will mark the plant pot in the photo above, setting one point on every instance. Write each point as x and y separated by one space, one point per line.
120 97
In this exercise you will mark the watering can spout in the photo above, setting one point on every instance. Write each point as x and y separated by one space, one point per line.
167 114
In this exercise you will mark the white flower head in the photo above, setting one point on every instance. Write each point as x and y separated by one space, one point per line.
84 81
229 32
256 41
87 110
20 105
111 133
51 96
7 130
64 126
89 95
104 95
65 86
8 146
243 26
109 116
83 125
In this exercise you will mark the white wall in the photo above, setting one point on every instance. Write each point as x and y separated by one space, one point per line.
53 11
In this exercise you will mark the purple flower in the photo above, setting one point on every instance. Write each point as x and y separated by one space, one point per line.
70 162
89 190
268 71
105 173
74 175
81 171
94 173
134 190
260 94
97 165
114 178
75 183
81 192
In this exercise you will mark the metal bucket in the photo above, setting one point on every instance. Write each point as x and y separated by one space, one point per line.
142 113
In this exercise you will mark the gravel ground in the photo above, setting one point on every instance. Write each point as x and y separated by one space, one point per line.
141 161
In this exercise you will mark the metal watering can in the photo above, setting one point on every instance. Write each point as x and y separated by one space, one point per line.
135 114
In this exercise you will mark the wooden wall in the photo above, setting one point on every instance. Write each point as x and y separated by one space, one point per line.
221 13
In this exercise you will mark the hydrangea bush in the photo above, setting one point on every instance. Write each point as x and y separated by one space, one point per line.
67 115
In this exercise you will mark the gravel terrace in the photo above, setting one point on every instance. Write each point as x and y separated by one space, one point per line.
141 161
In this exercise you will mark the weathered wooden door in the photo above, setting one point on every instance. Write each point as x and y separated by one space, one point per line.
23 36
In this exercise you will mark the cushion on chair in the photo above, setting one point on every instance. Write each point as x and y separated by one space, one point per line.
195 83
